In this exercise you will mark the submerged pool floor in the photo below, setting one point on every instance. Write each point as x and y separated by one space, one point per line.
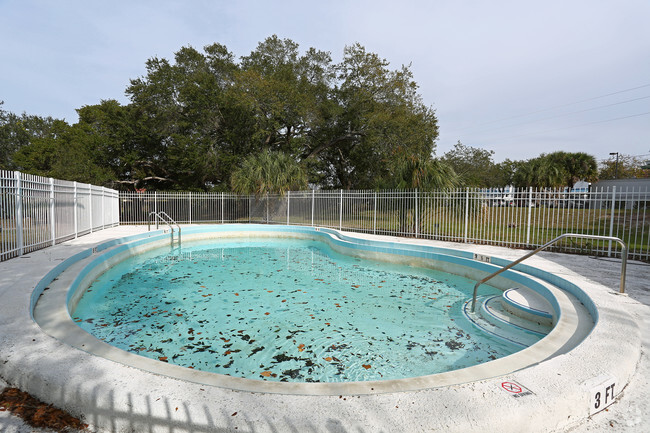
286 310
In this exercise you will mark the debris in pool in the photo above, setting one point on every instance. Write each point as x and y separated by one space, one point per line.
454 345
254 351
295 373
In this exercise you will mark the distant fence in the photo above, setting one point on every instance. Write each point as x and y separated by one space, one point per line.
37 212
524 218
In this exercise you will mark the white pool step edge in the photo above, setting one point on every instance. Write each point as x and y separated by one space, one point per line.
527 304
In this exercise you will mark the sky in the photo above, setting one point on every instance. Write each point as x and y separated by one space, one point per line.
518 78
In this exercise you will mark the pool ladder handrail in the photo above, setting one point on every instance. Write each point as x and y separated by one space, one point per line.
162 216
548 244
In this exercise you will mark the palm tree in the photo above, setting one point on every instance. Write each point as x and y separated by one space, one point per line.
540 172
433 174
415 172
579 166
268 172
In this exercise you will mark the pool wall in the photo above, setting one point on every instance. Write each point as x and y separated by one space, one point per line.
447 260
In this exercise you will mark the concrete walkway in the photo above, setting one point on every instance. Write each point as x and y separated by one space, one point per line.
630 413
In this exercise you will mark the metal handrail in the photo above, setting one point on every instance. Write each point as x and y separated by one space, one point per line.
161 215
546 245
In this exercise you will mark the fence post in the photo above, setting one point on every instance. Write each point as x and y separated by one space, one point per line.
466 212
341 212
189 205
103 210
19 213
74 208
313 193
374 223
611 221
52 217
222 201
288 205
530 211
90 206
417 215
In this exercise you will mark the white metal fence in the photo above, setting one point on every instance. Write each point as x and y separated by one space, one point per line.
36 212
524 218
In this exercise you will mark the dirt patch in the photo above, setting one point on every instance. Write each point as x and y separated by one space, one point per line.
38 414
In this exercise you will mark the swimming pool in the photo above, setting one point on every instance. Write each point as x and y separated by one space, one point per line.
460 263
289 310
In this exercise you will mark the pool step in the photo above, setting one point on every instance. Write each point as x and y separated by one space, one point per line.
494 319
528 304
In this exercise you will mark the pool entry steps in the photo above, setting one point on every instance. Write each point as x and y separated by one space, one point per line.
551 243
519 315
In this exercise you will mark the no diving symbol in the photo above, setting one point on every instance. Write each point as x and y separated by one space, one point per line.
511 387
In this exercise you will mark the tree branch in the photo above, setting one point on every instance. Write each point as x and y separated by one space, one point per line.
349 136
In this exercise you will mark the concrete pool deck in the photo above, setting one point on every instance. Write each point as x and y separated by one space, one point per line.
122 398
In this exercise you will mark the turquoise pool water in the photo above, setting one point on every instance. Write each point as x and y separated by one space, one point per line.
286 310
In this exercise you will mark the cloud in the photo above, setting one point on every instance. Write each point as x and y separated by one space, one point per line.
476 62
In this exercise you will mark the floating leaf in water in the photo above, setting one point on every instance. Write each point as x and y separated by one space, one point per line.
265 373
329 358
162 358
267 313
301 347
366 366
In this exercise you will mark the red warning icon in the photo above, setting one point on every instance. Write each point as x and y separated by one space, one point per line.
511 387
